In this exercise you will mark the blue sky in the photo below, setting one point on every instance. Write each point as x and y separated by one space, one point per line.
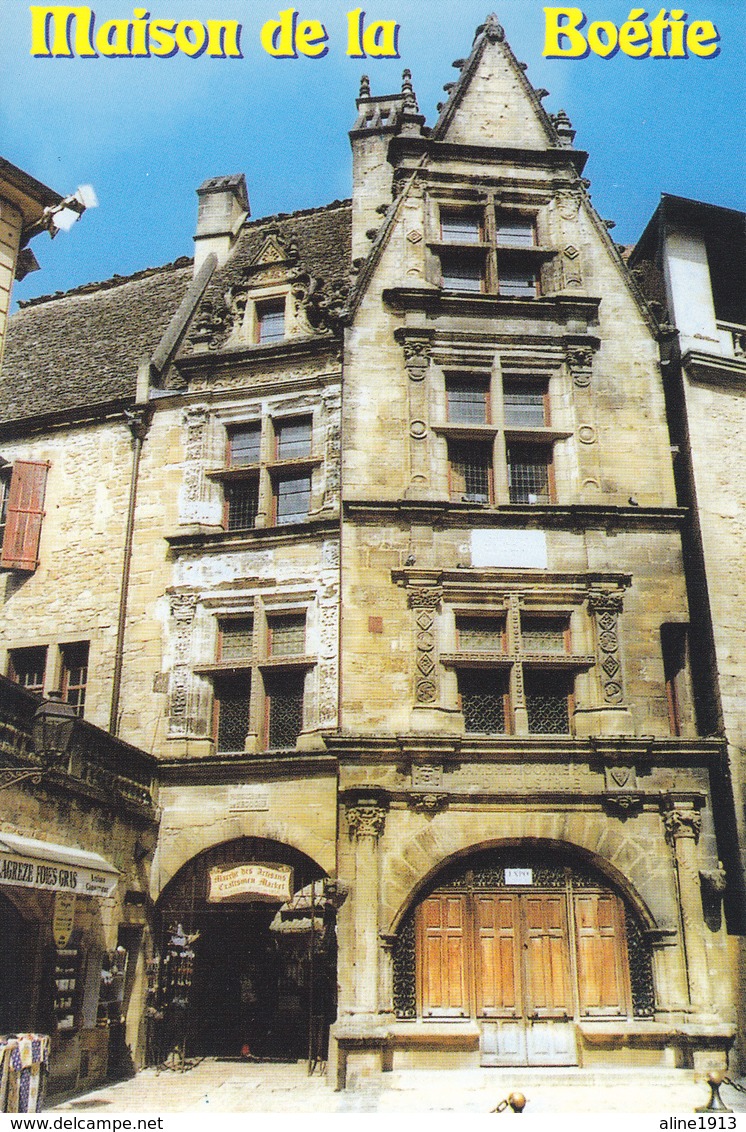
145 133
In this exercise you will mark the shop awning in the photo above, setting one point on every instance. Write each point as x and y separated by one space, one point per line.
27 863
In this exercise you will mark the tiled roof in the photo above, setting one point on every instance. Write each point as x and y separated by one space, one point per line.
82 348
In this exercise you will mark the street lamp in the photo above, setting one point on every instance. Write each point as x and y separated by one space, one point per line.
51 731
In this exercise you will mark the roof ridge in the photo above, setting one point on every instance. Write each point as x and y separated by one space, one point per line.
182 261
107 284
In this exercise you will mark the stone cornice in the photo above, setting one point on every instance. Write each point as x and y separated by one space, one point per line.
573 516
715 369
314 528
558 309
407 145
237 770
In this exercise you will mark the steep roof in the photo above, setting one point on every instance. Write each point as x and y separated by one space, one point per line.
82 349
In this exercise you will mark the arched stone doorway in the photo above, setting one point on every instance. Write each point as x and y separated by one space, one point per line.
248 989
526 940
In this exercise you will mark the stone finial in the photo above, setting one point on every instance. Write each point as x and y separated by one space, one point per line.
410 98
364 87
563 126
492 28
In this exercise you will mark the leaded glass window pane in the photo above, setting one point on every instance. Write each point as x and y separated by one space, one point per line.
242 498
482 693
462 273
293 495
287 635
547 702
543 635
471 472
480 634
460 228
515 231
525 406
271 322
284 708
244 445
293 439
232 690
467 400
516 281
236 639
528 467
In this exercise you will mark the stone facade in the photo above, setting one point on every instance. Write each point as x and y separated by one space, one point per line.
690 261
381 567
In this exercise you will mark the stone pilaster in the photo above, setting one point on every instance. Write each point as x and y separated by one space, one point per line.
682 823
366 819
417 363
609 714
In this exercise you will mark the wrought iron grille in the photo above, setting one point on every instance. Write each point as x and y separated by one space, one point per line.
287 635
236 639
405 971
547 702
285 708
528 467
232 691
480 634
640 970
483 700
243 504
471 472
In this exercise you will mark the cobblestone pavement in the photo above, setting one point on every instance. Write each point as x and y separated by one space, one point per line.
229 1086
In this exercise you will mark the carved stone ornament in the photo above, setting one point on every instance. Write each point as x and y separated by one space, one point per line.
606 607
428 803
580 364
714 881
492 29
416 357
427 775
682 823
319 305
625 805
424 599
366 819
568 203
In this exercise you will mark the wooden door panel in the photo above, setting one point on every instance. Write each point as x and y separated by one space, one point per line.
498 991
443 967
601 951
546 956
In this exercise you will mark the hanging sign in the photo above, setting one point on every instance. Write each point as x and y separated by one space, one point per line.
63 918
55 876
252 881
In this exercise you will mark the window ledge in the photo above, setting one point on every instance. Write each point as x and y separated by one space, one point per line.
203 537
300 661
535 435
466 431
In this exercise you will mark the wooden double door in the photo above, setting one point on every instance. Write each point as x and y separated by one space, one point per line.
526 964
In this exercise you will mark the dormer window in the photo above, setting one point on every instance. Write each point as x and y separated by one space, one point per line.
460 228
270 321
489 251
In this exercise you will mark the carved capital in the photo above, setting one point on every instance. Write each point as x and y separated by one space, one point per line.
682 823
424 598
366 819
602 600
417 349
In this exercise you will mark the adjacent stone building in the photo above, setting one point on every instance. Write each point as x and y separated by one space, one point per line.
691 261
367 524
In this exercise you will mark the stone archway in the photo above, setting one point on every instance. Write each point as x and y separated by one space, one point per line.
526 939
247 990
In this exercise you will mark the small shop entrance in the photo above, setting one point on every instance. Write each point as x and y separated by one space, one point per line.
227 984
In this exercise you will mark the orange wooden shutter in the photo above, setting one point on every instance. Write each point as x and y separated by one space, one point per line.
25 513
599 921
442 926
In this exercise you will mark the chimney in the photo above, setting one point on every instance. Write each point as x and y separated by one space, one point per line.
223 209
